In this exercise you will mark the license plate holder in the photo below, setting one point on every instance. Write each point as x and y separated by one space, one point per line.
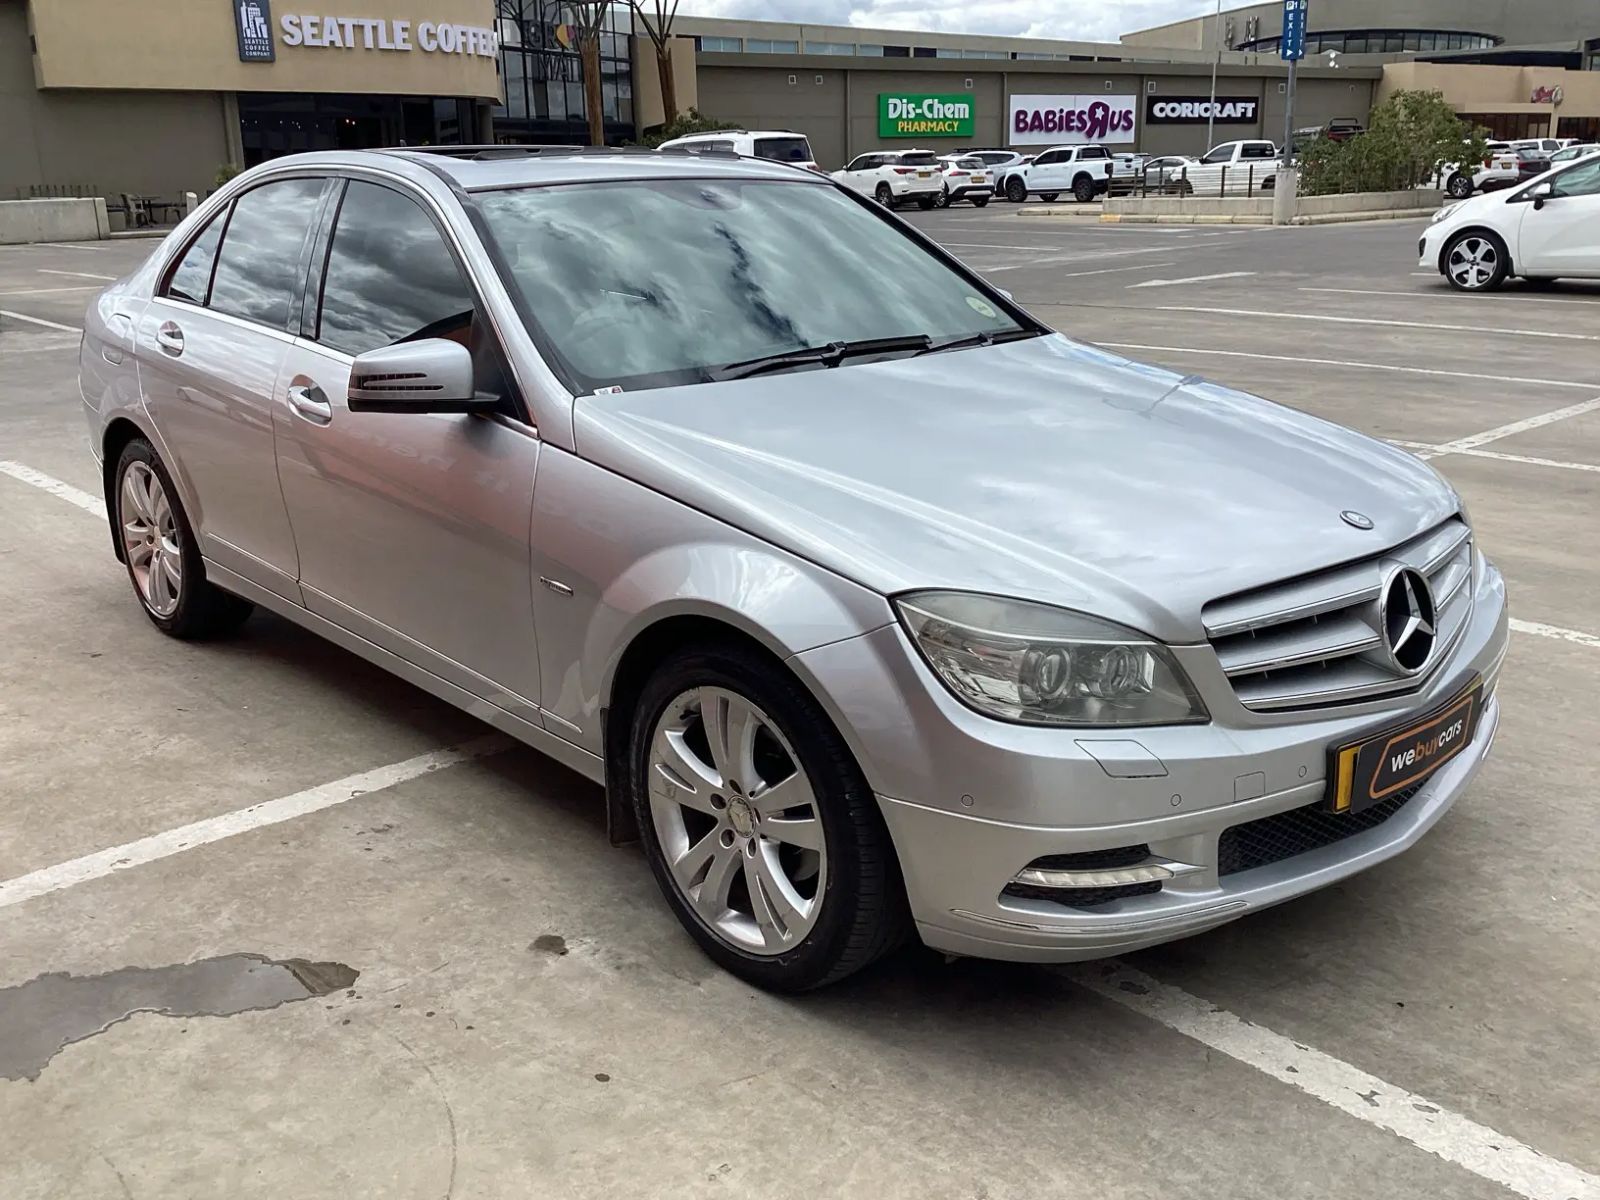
1370 769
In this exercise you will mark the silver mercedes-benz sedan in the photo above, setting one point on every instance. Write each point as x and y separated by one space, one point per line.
876 605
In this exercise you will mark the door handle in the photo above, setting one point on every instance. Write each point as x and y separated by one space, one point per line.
311 403
170 338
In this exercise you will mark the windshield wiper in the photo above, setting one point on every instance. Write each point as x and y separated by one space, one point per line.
830 355
981 339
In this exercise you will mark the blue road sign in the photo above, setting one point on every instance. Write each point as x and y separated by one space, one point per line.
1293 44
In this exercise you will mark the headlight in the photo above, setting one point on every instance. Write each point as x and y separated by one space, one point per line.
1442 214
1038 665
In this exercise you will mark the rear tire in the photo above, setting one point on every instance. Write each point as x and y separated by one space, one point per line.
884 196
719 835
1459 186
1049 197
1016 190
979 201
925 202
1083 189
162 553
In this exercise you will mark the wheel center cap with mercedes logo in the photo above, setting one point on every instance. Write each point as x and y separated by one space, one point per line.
1409 619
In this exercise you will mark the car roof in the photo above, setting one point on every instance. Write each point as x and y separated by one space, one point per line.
726 133
480 168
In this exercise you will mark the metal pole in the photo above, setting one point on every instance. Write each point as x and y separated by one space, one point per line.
1288 117
1216 58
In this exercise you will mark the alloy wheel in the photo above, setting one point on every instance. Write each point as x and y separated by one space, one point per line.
150 539
737 820
1473 262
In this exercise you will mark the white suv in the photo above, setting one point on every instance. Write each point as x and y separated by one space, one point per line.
1085 171
892 177
775 145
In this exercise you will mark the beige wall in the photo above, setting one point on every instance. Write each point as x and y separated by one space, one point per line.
837 108
185 45
1498 89
154 143
647 83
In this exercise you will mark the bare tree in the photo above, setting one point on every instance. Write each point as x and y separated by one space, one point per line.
589 18
656 17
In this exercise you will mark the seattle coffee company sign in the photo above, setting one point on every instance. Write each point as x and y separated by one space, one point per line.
253 19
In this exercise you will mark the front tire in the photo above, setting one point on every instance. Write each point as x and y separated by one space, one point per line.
162 553
759 826
1049 197
942 200
980 201
1016 190
1476 261
925 202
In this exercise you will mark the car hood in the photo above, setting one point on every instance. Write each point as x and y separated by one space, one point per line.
1045 469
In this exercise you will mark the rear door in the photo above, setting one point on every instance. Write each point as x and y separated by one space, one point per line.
412 527
1563 236
211 347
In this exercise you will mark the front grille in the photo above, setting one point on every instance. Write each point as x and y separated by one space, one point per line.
1283 835
1081 897
1319 639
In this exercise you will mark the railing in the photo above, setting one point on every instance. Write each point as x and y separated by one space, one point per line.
1252 179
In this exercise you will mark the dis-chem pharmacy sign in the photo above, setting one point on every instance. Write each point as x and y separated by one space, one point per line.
920 115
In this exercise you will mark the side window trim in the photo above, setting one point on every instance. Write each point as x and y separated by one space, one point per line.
316 274
292 321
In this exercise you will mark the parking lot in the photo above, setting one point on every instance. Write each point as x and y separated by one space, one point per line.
419 970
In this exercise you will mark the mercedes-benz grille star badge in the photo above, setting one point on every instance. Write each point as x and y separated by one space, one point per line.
1356 520
1409 621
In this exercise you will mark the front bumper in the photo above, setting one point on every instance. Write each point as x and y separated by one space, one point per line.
971 801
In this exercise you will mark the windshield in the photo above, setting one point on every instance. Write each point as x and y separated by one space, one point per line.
784 149
659 282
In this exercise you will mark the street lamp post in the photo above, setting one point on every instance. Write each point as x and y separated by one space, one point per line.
1216 59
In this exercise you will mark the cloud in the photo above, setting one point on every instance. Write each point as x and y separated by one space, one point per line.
1082 20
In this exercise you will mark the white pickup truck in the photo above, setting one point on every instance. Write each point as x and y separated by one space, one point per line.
1235 169
1085 171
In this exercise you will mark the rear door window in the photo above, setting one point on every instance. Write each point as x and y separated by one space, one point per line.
261 267
191 279
1094 152
783 149
1258 150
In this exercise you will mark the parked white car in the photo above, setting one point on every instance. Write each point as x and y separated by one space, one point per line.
1499 170
1168 173
1543 145
1085 171
893 177
1567 154
774 145
1235 168
1546 229
999 163
966 177
1126 171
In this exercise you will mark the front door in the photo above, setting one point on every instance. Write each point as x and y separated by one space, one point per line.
211 347
1563 236
412 528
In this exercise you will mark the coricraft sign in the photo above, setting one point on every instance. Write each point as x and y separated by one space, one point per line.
902 115
1071 120
1197 110
376 33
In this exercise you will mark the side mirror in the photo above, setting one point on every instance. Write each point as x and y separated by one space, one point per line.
1540 193
427 376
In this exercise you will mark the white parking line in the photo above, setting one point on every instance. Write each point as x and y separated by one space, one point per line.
1192 279
1286 316
1555 631
1527 459
1110 270
1424 1123
1515 427
1517 298
214 829
71 246
16 316
1341 362
49 483
77 274
83 287
1049 260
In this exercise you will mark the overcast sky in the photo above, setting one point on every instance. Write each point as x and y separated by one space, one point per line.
1088 20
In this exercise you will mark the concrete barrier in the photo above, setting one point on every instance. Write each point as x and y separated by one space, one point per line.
53 221
1268 209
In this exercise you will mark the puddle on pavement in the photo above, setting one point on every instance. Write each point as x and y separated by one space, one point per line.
41 1017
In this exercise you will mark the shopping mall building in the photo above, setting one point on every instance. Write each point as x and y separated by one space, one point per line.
100 97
